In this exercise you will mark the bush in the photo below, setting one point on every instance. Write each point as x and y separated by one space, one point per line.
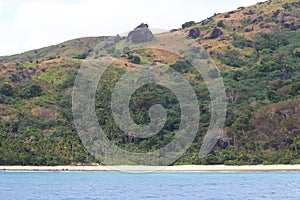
287 7
231 58
110 50
196 49
221 24
126 50
270 41
227 15
134 59
239 41
30 90
295 89
297 52
180 66
51 57
7 90
213 73
188 24
81 55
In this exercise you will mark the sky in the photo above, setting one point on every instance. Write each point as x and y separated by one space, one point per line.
32 24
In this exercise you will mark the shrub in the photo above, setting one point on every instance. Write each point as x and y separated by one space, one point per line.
196 49
110 50
7 90
51 57
227 15
231 58
30 90
134 59
221 24
295 89
81 55
126 50
270 41
188 24
239 41
287 7
213 73
180 66
297 52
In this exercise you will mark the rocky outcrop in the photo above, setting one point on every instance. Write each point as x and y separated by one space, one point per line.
194 33
140 34
216 33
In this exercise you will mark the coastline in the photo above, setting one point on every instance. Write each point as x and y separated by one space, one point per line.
177 168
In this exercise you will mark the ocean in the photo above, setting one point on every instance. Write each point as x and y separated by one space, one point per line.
131 186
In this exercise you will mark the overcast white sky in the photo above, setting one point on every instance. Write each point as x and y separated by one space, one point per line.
31 24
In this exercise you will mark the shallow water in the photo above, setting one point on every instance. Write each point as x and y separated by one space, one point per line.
113 185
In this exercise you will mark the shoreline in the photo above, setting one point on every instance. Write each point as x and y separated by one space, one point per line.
177 168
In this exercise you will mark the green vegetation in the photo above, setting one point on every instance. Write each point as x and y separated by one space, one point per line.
134 59
260 73
221 24
188 24
232 58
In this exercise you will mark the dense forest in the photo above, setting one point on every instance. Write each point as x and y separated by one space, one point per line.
256 50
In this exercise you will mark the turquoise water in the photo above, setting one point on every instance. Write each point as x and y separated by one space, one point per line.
173 186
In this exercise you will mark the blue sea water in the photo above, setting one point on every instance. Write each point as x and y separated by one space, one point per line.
173 186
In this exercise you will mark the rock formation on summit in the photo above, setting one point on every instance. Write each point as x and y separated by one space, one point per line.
140 34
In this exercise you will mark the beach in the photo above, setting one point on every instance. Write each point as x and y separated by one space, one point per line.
177 168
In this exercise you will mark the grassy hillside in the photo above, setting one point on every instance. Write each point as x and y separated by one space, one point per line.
256 48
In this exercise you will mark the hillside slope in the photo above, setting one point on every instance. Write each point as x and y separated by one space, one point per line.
256 48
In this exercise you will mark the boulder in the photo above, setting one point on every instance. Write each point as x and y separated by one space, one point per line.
223 143
257 20
194 33
216 33
140 34
276 13
250 12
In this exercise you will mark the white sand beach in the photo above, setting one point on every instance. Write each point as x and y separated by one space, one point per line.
179 168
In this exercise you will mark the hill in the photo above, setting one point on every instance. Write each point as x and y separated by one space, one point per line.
256 49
